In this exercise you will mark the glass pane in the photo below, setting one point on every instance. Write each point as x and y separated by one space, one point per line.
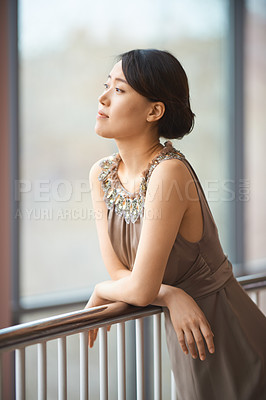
255 127
66 50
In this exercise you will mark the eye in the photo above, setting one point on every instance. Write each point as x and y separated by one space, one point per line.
106 86
119 90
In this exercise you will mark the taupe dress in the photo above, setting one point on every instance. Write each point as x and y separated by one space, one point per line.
236 371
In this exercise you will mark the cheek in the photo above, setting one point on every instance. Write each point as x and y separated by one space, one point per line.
134 111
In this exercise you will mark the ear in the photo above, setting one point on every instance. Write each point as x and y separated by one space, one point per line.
156 112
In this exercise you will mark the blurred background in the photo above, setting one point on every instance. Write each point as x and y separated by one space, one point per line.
66 50
59 55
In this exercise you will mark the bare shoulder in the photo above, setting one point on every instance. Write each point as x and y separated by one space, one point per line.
169 171
96 169
168 183
96 185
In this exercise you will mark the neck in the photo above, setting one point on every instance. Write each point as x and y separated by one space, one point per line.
136 154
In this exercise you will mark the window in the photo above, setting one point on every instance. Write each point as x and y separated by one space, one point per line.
255 125
62 67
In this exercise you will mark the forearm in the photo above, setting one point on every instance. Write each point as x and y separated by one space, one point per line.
120 273
164 296
124 289
110 292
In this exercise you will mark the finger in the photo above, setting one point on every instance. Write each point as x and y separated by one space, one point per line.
91 335
200 343
208 336
191 343
181 339
91 338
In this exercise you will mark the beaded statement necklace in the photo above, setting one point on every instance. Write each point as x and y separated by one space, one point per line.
130 205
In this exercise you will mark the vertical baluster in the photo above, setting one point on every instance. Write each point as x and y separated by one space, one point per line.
157 357
258 298
140 358
103 363
254 295
121 361
173 387
42 374
84 369
62 369
20 374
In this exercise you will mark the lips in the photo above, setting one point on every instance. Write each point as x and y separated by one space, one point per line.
101 114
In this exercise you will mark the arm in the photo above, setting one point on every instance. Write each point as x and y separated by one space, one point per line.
187 318
165 196
116 269
184 312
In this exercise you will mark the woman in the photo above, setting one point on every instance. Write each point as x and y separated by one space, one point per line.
159 241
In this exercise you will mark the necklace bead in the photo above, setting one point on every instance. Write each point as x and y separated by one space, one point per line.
130 206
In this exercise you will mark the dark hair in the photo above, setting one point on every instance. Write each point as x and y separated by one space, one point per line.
159 76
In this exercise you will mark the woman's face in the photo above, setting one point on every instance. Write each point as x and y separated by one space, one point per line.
122 111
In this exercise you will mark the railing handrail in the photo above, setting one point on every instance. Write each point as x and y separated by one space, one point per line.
253 281
71 323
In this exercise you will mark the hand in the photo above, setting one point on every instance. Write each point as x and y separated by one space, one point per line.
95 301
189 322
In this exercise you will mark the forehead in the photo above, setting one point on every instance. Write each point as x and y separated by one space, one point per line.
117 71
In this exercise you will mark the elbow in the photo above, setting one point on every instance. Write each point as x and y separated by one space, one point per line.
141 303
144 300
141 294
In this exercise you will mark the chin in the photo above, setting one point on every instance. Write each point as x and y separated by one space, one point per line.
103 133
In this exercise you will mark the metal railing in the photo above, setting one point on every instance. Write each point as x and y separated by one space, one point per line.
17 338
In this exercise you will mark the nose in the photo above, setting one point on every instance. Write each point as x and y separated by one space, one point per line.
104 98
